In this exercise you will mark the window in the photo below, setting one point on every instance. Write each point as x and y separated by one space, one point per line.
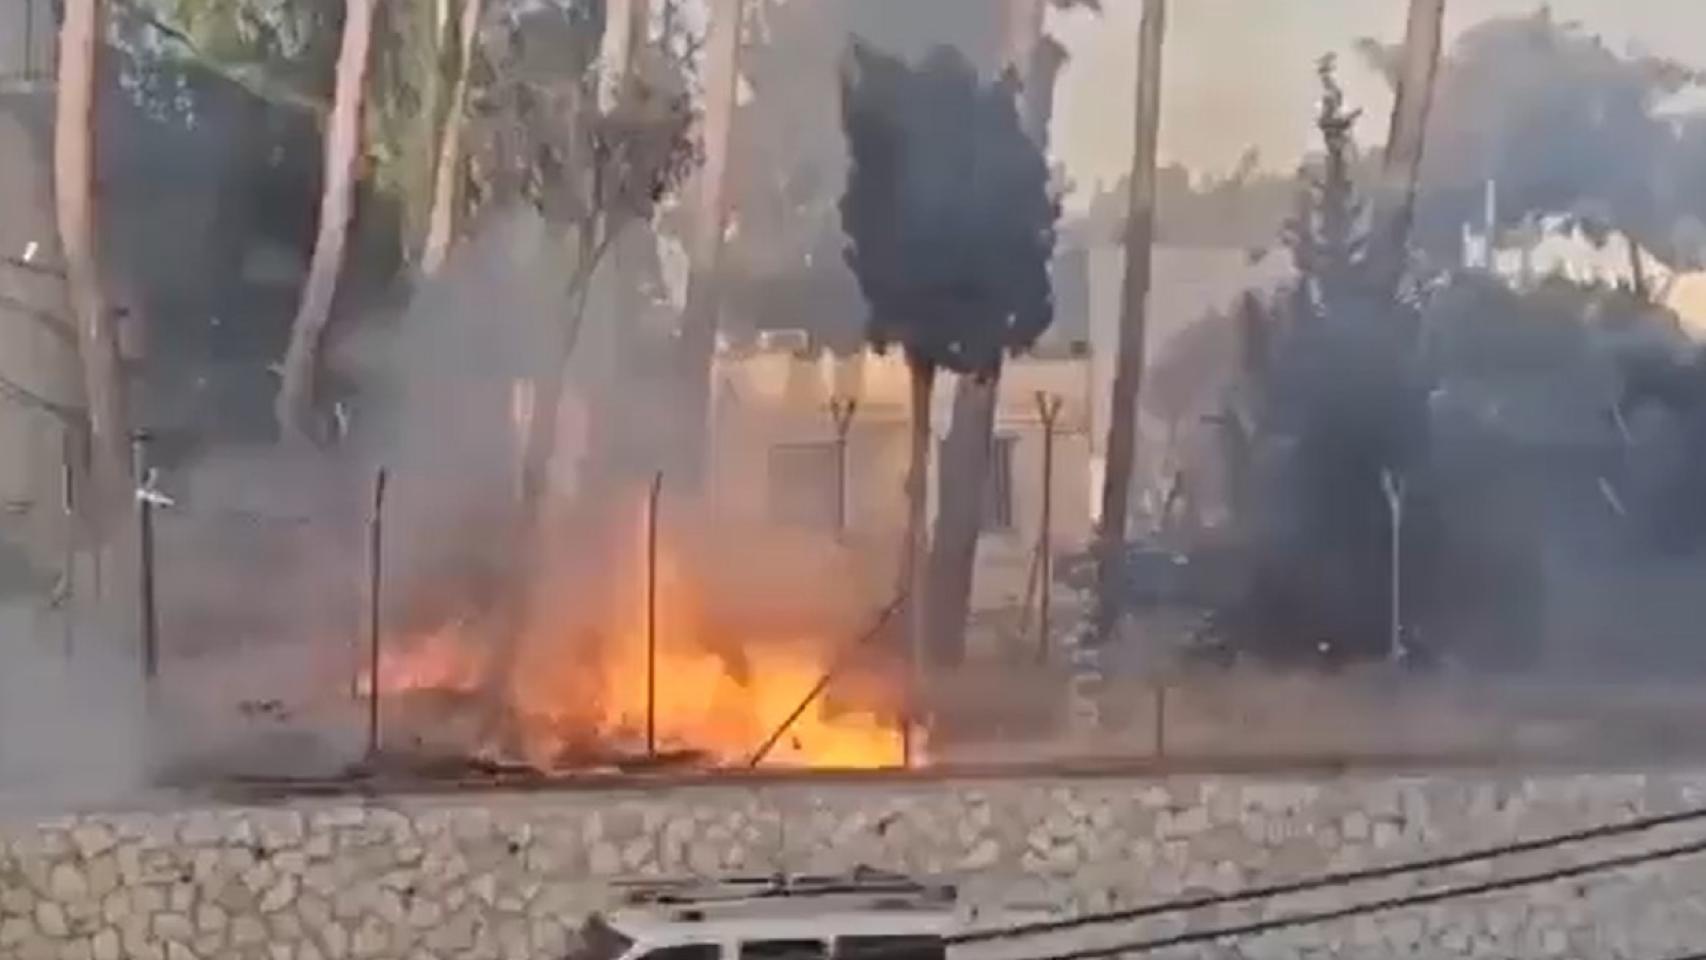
804 485
685 951
783 950
890 948
598 940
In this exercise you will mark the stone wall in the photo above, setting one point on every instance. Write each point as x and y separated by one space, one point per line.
508 875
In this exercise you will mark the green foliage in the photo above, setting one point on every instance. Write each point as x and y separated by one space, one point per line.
1327 235
782 265
948 211
538 135
1563 123
1336 398
284 53
281 51
1498 408
414 65
1342 355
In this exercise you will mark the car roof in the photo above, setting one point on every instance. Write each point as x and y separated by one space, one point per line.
648 928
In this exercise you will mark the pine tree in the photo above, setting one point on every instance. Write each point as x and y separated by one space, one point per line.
1335 402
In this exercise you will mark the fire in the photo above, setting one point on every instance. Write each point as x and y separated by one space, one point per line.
442 660
720 690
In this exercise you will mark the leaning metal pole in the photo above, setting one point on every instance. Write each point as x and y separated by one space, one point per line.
823 681
652 616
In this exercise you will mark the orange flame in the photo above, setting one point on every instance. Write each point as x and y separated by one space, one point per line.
719 692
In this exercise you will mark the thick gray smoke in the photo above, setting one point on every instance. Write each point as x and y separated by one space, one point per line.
1563 123
70 729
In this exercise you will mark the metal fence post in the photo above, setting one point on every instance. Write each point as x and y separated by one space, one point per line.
841 410
652 615
1048 409
147 609
375 582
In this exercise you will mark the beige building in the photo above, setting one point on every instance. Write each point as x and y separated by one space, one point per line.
37 359
777 459
775 434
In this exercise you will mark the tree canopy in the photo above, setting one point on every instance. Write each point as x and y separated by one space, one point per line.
1564 124
948 210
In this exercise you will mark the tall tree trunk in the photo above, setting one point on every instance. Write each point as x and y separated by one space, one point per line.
627 23
966 454
1023 53
612 421
41 381
959 515
1402 170
80 41
700 316
539 450
1134 307
549 385
447 174
515 608
915 550
297 399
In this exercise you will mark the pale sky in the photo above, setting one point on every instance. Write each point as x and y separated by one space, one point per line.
1242 72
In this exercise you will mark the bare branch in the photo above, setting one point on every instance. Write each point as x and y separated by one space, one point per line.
19 394
29 266
249 78
51 322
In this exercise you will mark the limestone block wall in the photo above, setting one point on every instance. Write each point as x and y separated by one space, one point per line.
508 876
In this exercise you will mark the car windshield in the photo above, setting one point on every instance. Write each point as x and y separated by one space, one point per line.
598 940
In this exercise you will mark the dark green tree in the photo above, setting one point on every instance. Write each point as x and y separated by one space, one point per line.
950 222
1337 401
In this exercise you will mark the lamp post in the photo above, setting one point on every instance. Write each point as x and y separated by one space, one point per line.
1392 484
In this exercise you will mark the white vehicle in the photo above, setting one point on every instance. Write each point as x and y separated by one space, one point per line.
865 916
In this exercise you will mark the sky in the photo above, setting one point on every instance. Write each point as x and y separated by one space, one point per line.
1241 73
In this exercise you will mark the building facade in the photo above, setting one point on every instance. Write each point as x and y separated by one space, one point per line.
780 462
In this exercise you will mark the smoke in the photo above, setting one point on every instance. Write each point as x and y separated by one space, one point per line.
1564 124
450 383
911 30
71 728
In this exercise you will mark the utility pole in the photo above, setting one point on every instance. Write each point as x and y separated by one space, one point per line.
29 40
628 24
1128 374
1406 138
